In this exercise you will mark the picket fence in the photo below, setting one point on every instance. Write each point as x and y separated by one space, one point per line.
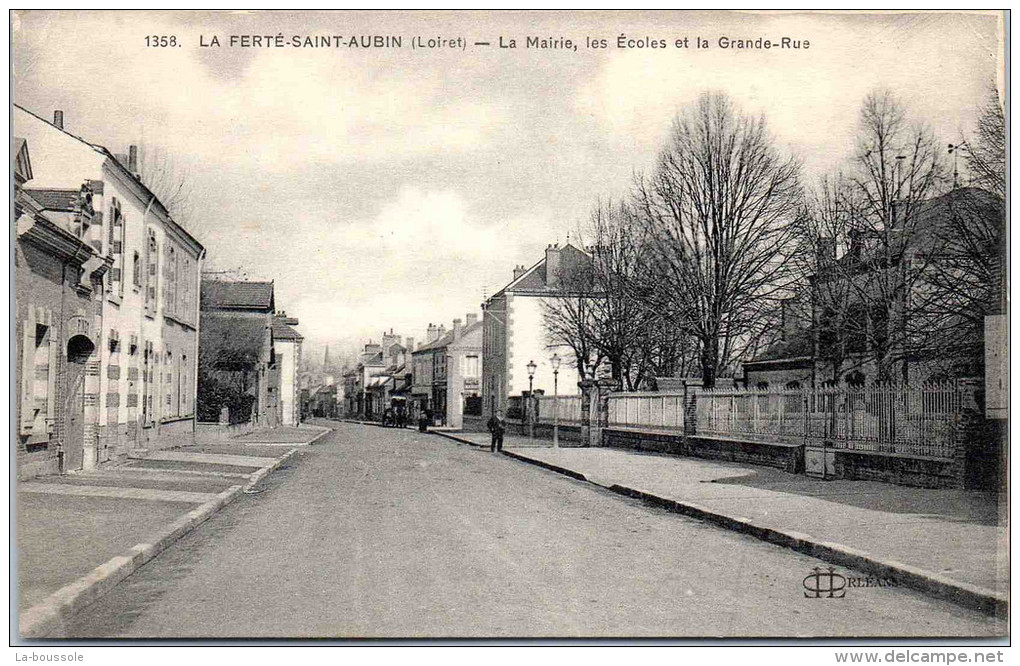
569 407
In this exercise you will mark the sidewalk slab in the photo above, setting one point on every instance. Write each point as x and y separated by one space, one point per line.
210 458
121 493
60 538
283 435
946 543
78 538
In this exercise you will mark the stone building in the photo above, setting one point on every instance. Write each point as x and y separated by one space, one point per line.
447 372
140 380
58 308
514 331
238 364
882 294
287 344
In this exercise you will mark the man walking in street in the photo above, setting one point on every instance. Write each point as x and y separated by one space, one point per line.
497 426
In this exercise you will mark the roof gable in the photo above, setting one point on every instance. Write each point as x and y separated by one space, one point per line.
229 295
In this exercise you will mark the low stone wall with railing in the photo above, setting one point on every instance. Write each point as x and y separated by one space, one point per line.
903 434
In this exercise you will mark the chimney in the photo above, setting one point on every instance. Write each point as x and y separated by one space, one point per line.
519 271
441 332
456 329
472 319
826 250
58 119
552 265
132 164
433 334
409 343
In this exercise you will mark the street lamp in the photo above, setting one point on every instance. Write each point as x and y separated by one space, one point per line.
555 361
954 150
531 400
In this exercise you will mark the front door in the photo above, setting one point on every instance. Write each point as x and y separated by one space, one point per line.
73 438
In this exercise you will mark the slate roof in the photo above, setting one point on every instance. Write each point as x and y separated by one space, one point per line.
58 200
282 331
448 338
229 295
799 345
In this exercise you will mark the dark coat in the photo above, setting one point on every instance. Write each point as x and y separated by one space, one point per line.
496 425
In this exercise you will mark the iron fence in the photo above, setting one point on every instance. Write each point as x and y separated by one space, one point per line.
891 419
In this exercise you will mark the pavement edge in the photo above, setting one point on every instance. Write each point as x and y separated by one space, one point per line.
48 619
962 594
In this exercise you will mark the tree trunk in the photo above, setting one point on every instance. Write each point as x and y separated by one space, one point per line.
709 356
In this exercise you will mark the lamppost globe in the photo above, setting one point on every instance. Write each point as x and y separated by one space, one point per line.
531 369
555 362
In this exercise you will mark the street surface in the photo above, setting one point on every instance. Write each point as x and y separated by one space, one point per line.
381 532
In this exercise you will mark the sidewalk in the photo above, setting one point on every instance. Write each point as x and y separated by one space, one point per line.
301 435
80 534
948 543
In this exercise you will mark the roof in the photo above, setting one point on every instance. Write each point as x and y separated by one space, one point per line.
54 199
283 331
536 278
798 345
445 340
148 194
229 295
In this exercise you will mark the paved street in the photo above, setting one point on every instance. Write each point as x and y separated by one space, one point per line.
380 532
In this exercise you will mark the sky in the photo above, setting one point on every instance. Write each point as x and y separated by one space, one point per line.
391 188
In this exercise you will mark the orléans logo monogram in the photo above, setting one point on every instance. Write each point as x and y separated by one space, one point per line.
824 584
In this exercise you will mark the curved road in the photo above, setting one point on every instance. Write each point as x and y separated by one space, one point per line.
378 532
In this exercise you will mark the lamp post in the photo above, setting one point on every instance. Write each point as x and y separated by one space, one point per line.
555 361
954 150
531 400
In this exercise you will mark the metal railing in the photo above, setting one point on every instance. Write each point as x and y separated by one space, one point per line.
569 408
893 419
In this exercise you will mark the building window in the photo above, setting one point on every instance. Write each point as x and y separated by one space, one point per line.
136 270
117 224
470 366
152 274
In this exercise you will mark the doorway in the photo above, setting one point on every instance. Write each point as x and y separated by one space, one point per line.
79 349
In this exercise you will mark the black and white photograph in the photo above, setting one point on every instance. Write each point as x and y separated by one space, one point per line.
511 327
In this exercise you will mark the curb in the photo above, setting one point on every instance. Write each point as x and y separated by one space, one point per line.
461 440
962 594
262 472
48 618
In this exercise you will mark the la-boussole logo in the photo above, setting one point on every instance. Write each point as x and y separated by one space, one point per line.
827 584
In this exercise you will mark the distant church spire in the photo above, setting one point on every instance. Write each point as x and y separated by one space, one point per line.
325 359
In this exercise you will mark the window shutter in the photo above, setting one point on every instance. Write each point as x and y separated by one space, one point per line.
51 392
28 375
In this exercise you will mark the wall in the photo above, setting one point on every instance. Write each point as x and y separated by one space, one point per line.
469 344
494 354
288 355
529 342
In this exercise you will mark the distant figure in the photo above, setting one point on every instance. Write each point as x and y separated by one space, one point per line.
424 419
497 426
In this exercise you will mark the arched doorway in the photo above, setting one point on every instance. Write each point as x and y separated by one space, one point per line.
79 349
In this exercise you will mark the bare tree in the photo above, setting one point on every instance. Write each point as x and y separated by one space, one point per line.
169 180
896 170
986 150
717 213
829 250
607 315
